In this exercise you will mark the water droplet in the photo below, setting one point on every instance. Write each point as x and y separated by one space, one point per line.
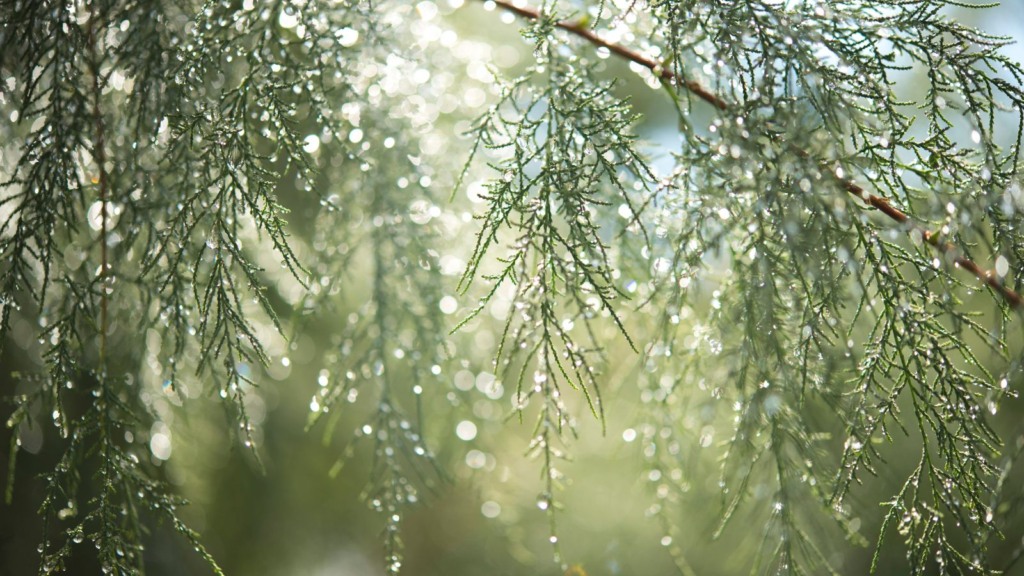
348 37
311 143
288 18
476 459
465 430
1002 266
160 445
490 509
448 305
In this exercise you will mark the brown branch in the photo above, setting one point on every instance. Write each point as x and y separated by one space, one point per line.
989 277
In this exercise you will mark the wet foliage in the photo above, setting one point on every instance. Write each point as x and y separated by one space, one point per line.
798 285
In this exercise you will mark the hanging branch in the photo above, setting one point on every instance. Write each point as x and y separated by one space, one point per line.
100 157
665 74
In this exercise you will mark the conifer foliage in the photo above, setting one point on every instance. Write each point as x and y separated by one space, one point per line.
814 280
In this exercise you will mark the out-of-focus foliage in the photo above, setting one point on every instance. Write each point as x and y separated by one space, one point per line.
485 287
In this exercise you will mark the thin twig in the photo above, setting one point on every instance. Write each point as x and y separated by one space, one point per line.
989 277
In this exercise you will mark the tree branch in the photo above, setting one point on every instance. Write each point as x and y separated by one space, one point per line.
100 157
989 277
